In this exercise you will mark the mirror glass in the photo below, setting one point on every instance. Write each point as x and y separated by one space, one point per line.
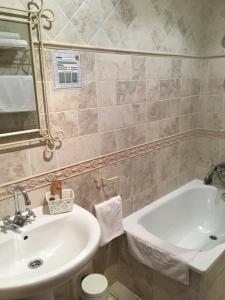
18 103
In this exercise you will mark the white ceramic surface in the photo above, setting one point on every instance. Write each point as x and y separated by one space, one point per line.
186 218
65 243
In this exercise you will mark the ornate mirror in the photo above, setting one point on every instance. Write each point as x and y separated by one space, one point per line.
23 100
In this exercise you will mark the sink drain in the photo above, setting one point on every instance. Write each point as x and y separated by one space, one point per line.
213 237
35 263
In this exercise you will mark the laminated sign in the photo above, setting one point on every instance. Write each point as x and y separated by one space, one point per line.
67 69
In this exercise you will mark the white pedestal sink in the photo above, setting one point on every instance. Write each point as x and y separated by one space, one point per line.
56 246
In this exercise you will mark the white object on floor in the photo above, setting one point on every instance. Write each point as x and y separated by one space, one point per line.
150 251
95 287
9 35
109 215
17 94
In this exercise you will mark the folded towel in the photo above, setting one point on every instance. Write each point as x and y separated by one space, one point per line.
11 43
167 259
9 35
17 94
109 215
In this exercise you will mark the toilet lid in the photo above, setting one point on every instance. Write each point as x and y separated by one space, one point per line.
94 285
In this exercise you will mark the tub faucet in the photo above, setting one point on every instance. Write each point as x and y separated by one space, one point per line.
219 169
20 219
208 178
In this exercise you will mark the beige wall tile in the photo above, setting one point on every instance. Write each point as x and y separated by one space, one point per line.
75 150
42 161
215 104
79 20
137 135
130 92
153 67
113 67
138 67
185 87
139 113
166 67
86 192
144 198
106 91
63 100
88 95
88 66
14 166
115 117
195 87
88 121
168 127
216 86
66 121
170 88
152 132
158 110
153 90
108 142
123 137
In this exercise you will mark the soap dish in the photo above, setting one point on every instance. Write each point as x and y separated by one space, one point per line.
59 206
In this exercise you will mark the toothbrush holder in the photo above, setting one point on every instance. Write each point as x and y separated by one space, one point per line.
63 205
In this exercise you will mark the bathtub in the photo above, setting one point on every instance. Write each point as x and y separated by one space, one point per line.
191 218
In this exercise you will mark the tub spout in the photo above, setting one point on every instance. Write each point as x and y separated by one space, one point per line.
208 178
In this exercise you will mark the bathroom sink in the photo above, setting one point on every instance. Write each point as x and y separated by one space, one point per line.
46 252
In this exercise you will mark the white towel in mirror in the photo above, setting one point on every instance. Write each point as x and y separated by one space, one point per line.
9 35
17 94
8 43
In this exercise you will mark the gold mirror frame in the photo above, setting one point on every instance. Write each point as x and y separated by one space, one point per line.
34 17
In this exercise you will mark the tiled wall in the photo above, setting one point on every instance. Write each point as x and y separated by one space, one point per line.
125 101
143 179
213 17
215 100
193 27
160 25
150 25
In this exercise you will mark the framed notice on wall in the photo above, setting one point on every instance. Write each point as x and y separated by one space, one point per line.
67 69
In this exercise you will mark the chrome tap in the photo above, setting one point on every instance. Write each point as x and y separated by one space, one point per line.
209 177
19 220
219 170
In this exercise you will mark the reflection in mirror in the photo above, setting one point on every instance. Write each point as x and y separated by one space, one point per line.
18 109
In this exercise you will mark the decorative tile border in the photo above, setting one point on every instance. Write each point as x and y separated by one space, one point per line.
45 179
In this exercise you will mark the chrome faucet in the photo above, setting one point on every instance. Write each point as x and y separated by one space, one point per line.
19 220
219 170
209 177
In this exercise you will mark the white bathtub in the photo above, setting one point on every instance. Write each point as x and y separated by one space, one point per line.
185 219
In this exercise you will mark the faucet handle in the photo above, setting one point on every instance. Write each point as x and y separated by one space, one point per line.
30 213
7 221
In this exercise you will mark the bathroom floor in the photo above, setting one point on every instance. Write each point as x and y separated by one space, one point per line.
119 292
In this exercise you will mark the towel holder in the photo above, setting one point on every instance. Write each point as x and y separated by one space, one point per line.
99 180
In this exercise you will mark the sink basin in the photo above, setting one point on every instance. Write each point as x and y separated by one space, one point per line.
55 246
